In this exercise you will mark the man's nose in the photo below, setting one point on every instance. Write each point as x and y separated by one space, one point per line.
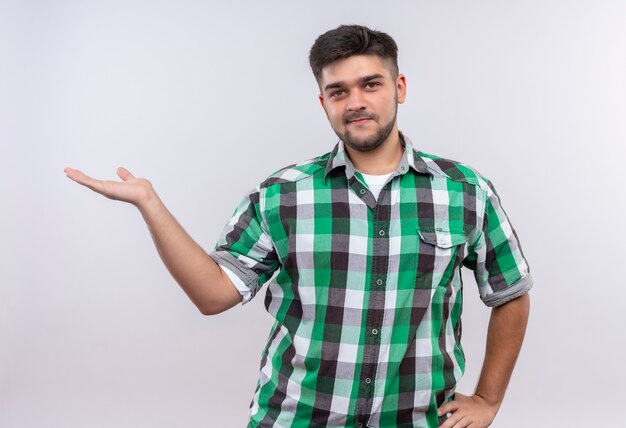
356 101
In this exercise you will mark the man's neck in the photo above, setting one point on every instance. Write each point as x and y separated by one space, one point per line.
382 160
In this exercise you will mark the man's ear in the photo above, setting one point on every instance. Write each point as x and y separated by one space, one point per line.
401 87
321 98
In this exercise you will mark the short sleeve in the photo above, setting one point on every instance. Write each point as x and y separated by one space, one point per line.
245 250
496 257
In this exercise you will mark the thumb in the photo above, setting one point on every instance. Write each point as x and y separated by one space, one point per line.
124 174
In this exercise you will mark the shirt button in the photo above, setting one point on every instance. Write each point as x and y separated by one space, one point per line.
360 425
402 168
362 191
368 380
381 233
379 281
374 331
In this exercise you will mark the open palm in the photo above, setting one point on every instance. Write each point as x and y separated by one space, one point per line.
130 189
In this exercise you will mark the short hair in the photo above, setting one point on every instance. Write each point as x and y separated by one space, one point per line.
348 40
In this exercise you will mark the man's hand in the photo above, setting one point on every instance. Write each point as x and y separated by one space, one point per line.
473 412
137 191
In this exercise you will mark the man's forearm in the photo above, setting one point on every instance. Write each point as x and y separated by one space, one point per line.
198 274
507 327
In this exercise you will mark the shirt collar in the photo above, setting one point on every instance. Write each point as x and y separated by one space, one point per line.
339 157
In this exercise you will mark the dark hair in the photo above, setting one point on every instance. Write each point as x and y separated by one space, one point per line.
348 40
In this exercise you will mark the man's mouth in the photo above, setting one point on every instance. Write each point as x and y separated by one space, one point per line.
359 120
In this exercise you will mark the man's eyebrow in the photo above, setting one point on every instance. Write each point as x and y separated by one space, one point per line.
360 81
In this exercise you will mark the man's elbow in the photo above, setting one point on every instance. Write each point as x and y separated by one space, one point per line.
205 310
223 296
210 309
217 307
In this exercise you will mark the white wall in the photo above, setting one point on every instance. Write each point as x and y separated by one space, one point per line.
206 99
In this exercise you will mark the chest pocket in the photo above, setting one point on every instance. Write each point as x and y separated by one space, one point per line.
439 254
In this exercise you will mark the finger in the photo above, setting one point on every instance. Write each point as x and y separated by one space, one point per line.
463 423
453 421
70 172
82 178
450 406
124 174
77 175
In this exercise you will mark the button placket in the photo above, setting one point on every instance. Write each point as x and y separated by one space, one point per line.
374 319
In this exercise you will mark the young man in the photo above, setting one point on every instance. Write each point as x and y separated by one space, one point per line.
367 242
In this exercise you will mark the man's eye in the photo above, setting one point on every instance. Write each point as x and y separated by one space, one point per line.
372 85
336 93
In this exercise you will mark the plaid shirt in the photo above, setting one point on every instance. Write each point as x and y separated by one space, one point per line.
367 294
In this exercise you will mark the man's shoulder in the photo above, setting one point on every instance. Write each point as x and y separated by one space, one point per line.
453 170
297 171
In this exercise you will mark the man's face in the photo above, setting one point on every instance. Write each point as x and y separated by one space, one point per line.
360 96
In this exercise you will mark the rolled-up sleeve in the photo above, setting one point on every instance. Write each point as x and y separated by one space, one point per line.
500 268
245 250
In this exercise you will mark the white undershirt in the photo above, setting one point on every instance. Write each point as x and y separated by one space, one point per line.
376 182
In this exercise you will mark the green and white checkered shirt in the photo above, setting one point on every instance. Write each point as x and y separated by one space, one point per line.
367 294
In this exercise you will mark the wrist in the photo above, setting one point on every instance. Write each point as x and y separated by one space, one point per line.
149 201
491 401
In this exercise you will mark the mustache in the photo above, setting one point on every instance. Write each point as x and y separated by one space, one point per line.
350 117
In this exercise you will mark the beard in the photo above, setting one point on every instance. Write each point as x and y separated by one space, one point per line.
373 141
369 143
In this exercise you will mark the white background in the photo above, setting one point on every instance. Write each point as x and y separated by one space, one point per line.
206 99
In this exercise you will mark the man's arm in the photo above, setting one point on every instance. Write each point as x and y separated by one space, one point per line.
198 274
505 335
